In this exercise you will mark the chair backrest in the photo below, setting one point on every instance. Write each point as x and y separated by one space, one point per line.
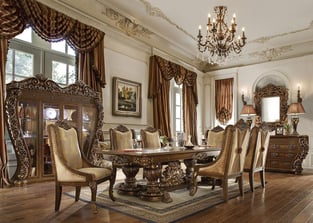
239 146
254 145
150 137
261 155
258 147
215 137
64 147
121 137
222 159
242 125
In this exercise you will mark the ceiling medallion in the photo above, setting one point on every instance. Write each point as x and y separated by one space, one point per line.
220 43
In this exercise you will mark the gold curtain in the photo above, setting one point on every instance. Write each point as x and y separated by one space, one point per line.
224 99
190 101
51 26
161 72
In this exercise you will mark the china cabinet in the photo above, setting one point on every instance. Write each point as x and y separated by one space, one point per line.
34 103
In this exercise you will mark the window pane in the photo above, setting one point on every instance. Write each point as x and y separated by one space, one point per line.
71 74
70 50
59 46
177 86
178 113
178 126
177 98
9 64
26 35
59 72
24 64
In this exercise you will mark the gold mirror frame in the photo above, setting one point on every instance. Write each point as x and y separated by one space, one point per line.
271 90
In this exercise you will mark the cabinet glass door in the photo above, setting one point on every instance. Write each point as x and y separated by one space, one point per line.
89 119
51 113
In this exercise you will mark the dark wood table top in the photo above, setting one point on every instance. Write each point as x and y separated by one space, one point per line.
163 154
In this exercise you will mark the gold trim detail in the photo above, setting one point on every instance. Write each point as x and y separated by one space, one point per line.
155 11
130 27
272 53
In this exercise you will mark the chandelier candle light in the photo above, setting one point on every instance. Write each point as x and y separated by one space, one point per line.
220 42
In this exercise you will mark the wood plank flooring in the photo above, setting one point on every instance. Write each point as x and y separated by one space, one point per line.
286 198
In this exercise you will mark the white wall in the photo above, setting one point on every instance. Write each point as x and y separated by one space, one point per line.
297 71
125 58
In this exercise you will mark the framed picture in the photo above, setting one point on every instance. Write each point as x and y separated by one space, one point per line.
126 98
279 130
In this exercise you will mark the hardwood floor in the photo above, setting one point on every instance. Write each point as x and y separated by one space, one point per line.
286 198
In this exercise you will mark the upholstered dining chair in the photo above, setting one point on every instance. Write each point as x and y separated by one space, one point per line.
150 137
229 164
256 155
215 136
70 166
121 137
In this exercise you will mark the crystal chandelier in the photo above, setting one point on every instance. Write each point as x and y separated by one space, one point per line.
220 43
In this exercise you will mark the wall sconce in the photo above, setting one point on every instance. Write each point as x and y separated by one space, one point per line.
294 110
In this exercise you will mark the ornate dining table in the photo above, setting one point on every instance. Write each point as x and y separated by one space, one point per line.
159 181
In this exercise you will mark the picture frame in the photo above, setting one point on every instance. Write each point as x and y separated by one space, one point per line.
126 98
279 130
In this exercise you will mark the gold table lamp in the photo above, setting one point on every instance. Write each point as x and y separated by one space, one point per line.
294 110
248 111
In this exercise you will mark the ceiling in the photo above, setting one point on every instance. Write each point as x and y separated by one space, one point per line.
275 29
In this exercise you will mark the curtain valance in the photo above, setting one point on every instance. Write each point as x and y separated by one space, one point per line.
49 24
171 70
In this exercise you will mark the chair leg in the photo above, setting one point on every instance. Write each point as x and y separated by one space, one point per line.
251 180
240 184
225 189
93 188
58 194
112 181
262 177
213 183
77 193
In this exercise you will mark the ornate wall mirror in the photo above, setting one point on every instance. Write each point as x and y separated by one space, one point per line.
34 103
270 109
271 103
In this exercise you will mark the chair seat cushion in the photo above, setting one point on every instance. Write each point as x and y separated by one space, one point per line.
97 172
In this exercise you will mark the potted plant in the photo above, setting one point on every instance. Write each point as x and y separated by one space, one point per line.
287 128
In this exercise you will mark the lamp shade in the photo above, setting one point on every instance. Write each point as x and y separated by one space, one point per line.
248 110
295 109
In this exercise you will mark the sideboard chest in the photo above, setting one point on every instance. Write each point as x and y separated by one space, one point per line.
286 153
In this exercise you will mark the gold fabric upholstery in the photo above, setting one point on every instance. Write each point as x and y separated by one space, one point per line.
69 147
150 138
70 166
256 155
121 138
215 139
230 162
